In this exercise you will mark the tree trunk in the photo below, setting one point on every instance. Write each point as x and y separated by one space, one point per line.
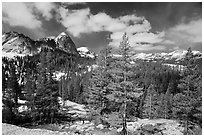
125 106
124 115
150 111
186 126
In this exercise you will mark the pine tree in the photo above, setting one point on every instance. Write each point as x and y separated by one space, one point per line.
151 103
12 89
40 98
168 102
30 93
47 89
99 81
161 108
187 103
125 83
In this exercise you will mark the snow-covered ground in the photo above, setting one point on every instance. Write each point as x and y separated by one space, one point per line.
72 107
57 75
179 67
11 54
68 106
85 52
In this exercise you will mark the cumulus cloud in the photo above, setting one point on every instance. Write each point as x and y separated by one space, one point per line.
26 14
83 21
186 34
147 37
18 14
145 47
75 20
192 30
45 9
144 27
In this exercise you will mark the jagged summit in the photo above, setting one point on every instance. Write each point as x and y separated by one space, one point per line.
17 44
64 41
63 33
61 36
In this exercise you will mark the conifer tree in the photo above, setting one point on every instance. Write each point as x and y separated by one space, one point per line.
30 93
161 108
126 85
99 80
168 101
47 89
51 88
151 103
187 103
4 82
12 90
40 98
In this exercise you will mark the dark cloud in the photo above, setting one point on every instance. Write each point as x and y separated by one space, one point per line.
73 5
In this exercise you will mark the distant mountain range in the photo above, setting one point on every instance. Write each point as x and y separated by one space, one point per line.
16 44
176 55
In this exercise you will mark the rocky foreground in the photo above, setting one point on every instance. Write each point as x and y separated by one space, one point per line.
8 129
142 126
137 127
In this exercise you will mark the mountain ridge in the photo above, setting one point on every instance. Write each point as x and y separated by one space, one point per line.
17 44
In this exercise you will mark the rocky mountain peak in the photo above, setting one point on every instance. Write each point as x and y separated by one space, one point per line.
14 43
64 41
17 44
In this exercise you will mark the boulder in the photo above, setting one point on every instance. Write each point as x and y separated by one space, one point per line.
100 126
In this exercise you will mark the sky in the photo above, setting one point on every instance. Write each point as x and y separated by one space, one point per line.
150 26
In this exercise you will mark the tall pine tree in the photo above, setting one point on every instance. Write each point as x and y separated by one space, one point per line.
99 80
126 85
187 103
151 103
47 89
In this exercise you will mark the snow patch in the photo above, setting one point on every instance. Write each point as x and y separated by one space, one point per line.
22 101
85 52
22 108
58 75
11 54
60 36
179 67
83 49
72 107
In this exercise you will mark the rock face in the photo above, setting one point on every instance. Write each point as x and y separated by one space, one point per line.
16 44
155 126
64 42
